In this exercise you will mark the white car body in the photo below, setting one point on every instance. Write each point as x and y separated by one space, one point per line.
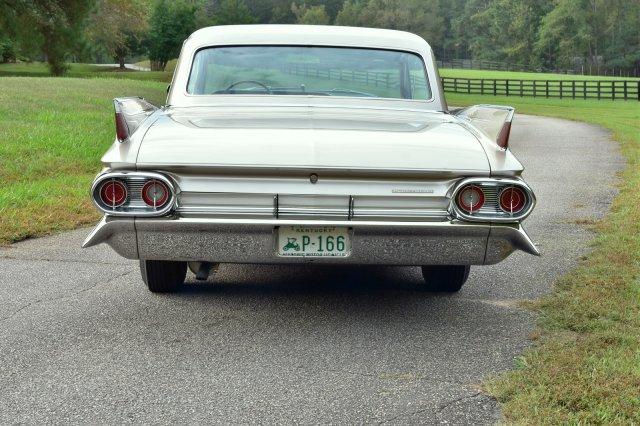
242 166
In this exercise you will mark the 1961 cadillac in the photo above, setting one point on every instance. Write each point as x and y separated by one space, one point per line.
294 144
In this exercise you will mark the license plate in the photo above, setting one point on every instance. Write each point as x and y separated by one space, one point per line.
306 241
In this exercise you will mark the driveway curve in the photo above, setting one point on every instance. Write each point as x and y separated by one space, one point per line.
81 340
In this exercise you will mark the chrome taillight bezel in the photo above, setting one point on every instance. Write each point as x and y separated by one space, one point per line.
133 182
491 211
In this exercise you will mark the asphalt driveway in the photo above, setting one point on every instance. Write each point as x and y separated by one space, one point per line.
81 339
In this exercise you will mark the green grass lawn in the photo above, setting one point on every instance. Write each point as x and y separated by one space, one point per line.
584 367
513 75
53 132
39 69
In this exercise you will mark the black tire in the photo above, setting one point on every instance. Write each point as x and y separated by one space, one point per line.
163 276
445 279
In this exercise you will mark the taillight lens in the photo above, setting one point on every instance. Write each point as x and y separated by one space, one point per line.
113 193
470 198
155 193
512 200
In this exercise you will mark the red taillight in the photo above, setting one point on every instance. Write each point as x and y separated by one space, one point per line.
470 198
113 193
512 200
122 129
155 193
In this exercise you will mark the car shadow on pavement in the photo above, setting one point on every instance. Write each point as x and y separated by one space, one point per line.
309 280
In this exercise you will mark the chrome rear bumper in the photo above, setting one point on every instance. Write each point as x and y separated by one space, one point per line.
253 241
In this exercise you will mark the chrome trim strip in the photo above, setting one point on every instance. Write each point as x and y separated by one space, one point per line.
276 212
317 222
126 176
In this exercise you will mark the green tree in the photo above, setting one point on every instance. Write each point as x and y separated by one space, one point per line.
507 30
310 15
421 17
455 41
350 14
170 24
596 32
118 26
56 26
233 12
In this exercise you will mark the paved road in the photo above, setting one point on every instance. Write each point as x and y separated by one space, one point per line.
81 340
131 67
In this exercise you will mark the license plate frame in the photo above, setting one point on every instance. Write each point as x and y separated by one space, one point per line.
300 241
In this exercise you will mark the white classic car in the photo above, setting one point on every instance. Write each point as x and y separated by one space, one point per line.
294 144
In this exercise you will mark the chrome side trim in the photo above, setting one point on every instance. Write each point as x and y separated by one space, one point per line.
129 178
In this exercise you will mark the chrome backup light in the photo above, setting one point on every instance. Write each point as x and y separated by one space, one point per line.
134 194
492 200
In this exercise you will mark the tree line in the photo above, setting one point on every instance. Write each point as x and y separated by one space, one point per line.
539 34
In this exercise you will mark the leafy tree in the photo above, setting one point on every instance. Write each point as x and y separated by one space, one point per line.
417 16
506 30
350 14
233 12
596 32
118 26
314 15
56 26
7 50
170 24
455 41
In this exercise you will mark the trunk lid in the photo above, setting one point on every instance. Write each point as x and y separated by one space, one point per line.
311 138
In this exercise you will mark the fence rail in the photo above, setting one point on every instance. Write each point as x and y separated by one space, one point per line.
581 69
570 89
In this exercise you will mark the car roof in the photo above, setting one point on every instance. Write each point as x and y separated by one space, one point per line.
321 35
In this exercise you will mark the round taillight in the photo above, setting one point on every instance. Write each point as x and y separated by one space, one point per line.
512 200
155 193
470 198
113 193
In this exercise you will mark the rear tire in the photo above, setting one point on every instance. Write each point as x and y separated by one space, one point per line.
445 279
163 276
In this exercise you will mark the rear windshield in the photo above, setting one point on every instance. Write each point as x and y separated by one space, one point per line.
303 70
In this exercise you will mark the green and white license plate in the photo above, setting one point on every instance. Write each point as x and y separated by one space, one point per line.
308 241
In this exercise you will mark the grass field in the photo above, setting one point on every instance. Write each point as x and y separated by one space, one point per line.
585 366
53 132
39 69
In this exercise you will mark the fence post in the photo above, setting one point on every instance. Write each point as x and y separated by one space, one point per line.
546 88
455 85
584 89
625 90
469 86
638 90
495 90
482 86
613 90
521 92
561 88
573 89
598 85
